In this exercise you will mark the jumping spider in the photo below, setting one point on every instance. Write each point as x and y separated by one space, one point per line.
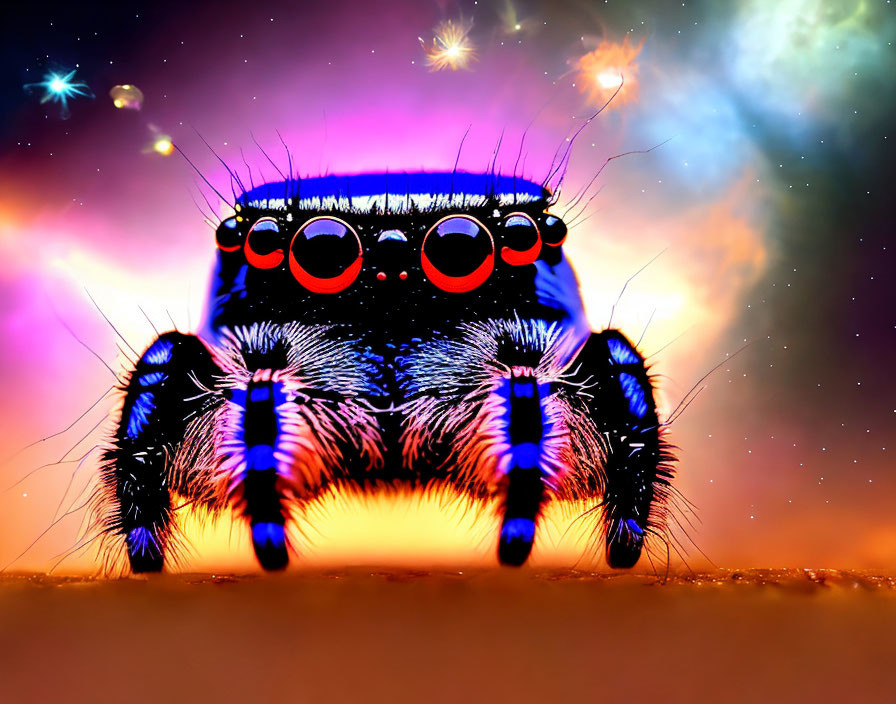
374 330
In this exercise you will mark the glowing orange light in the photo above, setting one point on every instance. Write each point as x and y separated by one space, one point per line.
610 67
163 146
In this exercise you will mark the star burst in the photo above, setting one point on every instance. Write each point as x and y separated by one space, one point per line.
451 46
610 67
59 87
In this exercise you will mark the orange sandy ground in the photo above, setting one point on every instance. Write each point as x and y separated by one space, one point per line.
390 635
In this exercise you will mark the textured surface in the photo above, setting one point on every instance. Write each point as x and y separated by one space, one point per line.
388 635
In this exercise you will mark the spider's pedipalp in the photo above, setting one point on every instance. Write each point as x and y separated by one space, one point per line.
491 409
291 425
524 485
255 459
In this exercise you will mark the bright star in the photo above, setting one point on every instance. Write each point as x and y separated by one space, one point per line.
163 145
611 67
59 88
609 79
451 47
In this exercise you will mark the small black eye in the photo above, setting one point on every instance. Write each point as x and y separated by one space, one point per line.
228 236
264 245
554 231
325 255
521 239
458 254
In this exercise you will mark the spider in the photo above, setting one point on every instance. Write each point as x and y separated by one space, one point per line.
388 329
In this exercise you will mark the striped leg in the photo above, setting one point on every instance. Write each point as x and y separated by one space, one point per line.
524 490
257 487
160 398
638 465
291 425
283 442
490 411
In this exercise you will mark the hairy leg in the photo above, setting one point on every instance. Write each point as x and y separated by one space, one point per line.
292 423
524 488
638 465
161 396
490 410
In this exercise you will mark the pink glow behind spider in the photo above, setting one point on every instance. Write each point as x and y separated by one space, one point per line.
351 96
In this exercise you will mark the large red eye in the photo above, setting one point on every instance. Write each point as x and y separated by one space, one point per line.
554 231
522 240
458 254
228 236
325 255
263 244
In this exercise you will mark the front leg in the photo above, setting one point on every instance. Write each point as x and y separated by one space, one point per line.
638 465
161 396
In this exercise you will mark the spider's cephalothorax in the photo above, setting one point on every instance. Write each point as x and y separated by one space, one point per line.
388 328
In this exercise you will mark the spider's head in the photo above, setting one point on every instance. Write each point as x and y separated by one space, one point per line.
421 243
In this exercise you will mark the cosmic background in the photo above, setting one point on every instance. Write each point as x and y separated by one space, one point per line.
769 202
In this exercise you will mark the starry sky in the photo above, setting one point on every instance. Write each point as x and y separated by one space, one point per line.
759 194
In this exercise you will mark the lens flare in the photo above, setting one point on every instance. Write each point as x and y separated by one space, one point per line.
512 24
163 146
451 46
126 97
610 67
59 87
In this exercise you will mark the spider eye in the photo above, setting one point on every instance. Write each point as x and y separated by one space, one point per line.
262 244
228 236
458 254
522 240
325 255
554 231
